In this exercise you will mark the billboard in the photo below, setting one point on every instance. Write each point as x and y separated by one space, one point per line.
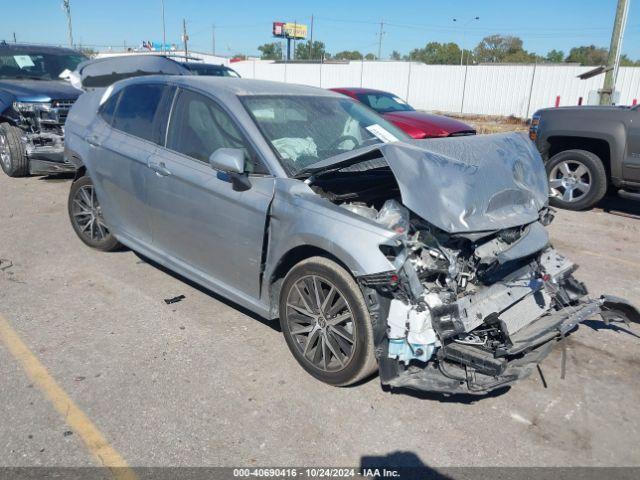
289 30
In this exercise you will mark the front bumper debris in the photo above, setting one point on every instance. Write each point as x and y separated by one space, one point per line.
45 152
466 369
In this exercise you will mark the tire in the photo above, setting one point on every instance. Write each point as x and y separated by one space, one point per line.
13 156
578 179
86 217
330 356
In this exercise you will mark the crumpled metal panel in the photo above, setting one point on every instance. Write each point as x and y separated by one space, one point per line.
461 184
469 184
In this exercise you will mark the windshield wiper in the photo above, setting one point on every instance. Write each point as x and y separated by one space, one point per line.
22 77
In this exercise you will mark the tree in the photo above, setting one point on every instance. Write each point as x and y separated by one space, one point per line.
625 61
395 55
270 51
502 48
369 56
437 53
555 56
317 51
348 55
89 52
588 55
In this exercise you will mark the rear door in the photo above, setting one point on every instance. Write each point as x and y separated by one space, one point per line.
122 150
197 217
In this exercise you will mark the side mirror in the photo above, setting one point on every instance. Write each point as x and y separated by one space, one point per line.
228 160
230 163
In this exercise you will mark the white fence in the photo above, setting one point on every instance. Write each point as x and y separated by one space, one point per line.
517 90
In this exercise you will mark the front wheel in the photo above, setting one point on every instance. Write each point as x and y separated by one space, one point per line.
326 323
86 218
577 179
13 156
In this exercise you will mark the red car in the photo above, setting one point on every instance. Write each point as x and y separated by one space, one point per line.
402 115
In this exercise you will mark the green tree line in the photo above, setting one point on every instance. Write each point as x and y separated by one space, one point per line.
491 49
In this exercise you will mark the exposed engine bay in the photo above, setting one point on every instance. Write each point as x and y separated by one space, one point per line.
463 311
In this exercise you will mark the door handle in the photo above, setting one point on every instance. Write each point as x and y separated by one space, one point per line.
93 141
160 169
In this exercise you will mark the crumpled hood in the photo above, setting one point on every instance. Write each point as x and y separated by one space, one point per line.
463 184
39 90
471 184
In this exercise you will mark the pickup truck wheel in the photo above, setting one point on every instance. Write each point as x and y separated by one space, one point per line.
326 323
13 157
577 179
85 214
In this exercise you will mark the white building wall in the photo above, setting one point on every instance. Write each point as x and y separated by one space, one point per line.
517 90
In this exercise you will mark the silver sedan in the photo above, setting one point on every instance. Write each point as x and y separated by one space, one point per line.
425 260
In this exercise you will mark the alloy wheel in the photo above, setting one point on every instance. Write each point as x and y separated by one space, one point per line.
5 152
321 323
570 181
87 214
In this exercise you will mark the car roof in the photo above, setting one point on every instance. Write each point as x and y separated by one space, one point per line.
33 48
357 90
208 65
235 86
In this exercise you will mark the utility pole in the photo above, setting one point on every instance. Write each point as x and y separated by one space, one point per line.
613 60
67 9
295 32
311 40
185 39
213 39
164 30
464 34
380 39
14 38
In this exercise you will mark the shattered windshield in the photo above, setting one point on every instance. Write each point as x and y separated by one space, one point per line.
37 65
303 130
384 102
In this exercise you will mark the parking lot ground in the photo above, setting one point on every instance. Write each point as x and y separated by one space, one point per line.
204 383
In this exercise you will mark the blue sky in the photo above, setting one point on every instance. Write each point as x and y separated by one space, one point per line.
343 25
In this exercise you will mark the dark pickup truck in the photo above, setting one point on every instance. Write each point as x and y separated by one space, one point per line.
587 151
34 103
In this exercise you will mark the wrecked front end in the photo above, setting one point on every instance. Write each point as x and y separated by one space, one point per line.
477 296
42 124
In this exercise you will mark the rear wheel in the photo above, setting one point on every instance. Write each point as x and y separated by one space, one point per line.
13 156
326 323
577 179
86 218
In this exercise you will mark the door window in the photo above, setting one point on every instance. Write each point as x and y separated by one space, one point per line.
198 127
107 110
139 109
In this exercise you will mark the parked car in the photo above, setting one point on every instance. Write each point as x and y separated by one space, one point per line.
209 69
373 251
587 150
34 103
402 115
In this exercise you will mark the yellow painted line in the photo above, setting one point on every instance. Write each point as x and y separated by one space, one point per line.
73 416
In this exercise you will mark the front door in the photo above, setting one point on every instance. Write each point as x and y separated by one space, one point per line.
197 217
